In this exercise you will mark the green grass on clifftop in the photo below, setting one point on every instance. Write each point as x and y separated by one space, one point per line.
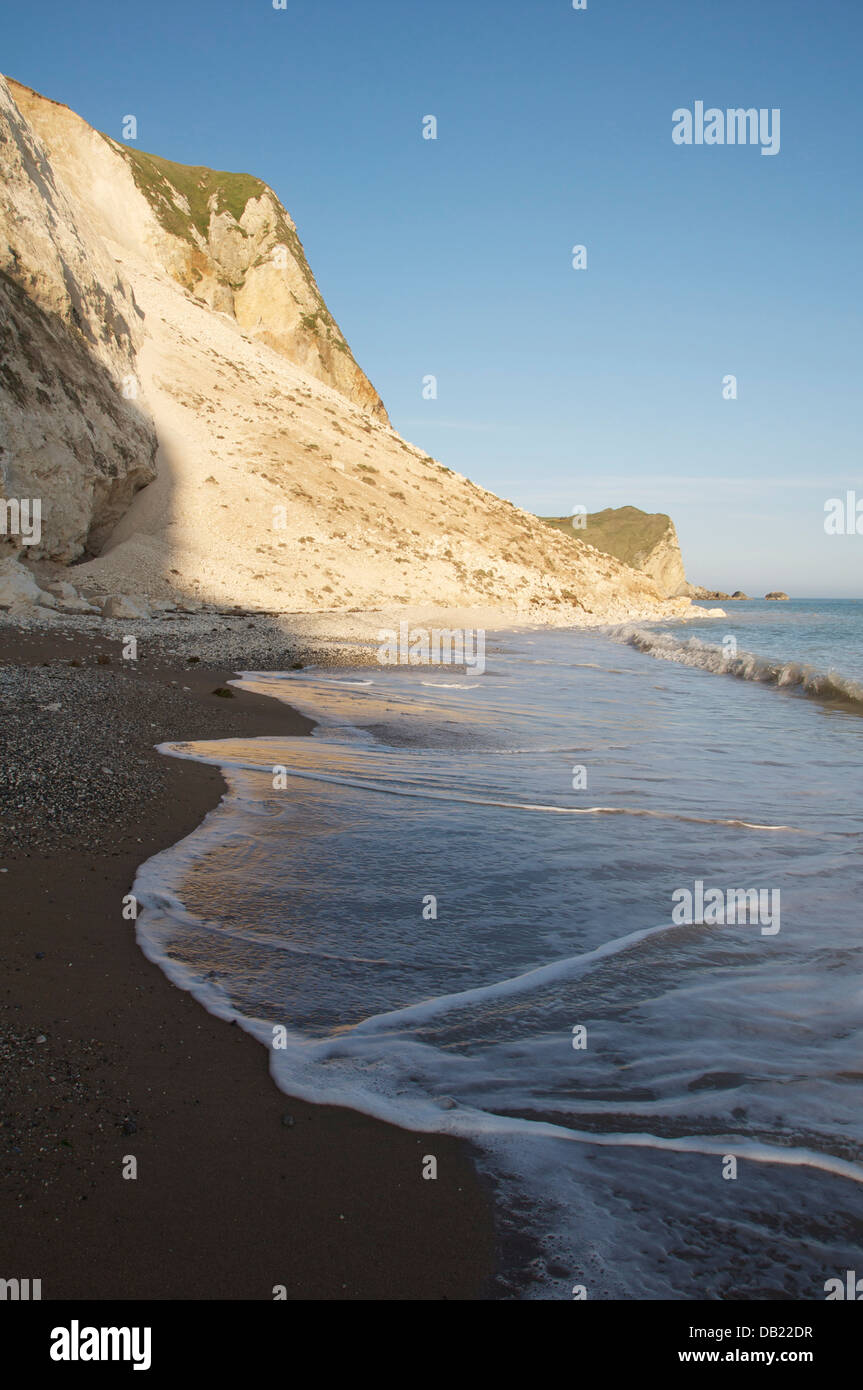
167 185
625 532
158 178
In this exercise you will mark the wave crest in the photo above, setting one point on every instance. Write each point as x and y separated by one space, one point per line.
745 666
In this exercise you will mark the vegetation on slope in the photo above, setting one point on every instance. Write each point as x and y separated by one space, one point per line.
625 532
162 180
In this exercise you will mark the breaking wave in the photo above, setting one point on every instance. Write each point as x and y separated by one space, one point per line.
745 666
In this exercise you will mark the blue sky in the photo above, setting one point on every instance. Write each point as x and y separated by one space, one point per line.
452 257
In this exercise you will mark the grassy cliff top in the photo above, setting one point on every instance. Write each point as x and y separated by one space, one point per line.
159 178
625 532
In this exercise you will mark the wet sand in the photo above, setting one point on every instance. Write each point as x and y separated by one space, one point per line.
239 1188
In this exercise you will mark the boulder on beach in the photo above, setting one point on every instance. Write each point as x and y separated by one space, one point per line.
122 606
18 587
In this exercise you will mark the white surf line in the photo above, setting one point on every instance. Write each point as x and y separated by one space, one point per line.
471 1122
747 666
477 1125
743 1149
517 984
174 750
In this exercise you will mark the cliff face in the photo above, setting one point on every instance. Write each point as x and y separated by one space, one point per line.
69 335
224 237
647 541
280 485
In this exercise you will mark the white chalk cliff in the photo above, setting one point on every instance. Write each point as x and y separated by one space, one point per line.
279 483
69 334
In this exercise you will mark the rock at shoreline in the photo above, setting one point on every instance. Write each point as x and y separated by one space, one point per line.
698 591
777 593
122 606
18 587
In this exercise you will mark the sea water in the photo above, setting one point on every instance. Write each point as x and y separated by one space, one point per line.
456 903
